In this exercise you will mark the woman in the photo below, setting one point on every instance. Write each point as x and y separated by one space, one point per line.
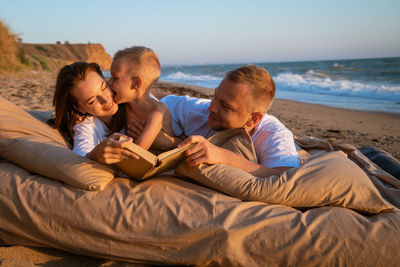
84 107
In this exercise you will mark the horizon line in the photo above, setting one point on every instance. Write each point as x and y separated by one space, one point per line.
277 61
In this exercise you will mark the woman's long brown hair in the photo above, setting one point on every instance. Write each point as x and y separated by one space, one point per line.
66 115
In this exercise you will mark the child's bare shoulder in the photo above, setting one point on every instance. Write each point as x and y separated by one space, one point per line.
160 106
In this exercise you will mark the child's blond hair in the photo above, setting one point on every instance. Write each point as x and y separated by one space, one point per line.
141 60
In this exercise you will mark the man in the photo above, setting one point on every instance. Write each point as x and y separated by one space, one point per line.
241 100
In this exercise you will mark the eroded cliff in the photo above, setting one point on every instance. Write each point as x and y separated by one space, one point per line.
53 56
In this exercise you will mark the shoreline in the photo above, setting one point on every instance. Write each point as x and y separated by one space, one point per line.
358 128
34 91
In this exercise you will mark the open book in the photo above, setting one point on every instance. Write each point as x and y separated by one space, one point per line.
149 165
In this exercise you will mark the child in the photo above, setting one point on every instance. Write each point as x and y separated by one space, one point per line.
133 72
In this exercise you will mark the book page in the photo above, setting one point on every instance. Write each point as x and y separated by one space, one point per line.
143 153
136 168
171 152
167 160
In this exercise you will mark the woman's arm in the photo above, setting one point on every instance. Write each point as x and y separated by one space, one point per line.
84 137
112 149
90 141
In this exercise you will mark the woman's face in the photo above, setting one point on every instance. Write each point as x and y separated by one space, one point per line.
94 97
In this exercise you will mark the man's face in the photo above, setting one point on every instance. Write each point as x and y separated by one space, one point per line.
121 81
94 96
228 109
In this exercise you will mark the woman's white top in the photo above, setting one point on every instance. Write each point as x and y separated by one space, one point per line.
88 134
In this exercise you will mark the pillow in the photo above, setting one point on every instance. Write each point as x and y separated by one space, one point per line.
37 147
47 117
330 179
236 140
15 122
51 159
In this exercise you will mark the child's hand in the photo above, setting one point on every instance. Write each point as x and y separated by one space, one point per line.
134 128
164 141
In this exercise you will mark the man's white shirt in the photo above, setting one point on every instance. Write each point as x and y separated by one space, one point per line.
273 142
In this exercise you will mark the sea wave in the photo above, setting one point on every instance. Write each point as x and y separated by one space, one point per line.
181 76
337 65
309 82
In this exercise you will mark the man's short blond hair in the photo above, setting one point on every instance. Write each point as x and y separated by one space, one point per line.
141 60
261 84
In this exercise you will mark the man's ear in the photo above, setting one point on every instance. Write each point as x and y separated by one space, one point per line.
254 119
136 82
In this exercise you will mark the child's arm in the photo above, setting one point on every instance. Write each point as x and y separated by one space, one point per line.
165 139
152 128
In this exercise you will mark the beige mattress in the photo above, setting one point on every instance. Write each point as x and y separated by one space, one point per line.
214 216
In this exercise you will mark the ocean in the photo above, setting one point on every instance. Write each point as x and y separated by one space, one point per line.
360 84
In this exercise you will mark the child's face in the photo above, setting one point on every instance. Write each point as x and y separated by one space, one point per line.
122 82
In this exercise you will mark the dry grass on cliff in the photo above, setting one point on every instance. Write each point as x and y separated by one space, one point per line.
8 49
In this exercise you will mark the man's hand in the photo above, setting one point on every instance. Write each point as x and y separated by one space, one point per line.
206 152
112 150
202 152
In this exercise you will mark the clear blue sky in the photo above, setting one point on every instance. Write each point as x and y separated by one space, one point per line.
212 31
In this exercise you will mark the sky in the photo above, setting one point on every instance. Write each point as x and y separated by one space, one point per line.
216 31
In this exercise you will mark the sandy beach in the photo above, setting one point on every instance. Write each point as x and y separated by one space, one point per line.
34 90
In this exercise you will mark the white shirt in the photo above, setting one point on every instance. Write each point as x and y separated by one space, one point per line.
273 142
88 134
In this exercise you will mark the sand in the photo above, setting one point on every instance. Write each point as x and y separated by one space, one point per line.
19 256
34 90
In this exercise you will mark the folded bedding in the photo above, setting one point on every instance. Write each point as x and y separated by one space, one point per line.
383 159
325 179
166 220
337 209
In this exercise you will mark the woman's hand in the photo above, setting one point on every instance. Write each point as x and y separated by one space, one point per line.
112 149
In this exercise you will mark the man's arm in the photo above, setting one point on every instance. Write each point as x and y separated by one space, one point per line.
206 152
